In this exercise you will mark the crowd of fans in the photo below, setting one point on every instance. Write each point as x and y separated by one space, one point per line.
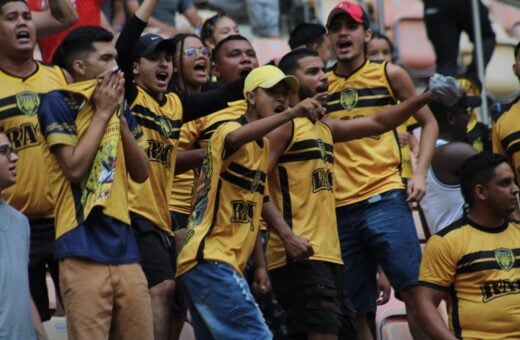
154 171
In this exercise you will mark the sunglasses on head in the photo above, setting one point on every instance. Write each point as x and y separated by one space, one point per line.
193 51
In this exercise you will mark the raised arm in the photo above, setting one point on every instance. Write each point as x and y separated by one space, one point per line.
126 42
76 160
261 127
404 89
384 120
60 15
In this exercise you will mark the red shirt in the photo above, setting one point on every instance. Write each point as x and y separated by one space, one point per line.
88 13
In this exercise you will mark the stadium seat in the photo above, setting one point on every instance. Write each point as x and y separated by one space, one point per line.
500 80
268 49
56 328
51 291
394 10
187 332
506 15
413 50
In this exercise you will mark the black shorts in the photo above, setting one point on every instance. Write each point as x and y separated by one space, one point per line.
313 296
157 250
41 260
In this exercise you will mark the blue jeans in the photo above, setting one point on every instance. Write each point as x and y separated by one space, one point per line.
378 231
221 304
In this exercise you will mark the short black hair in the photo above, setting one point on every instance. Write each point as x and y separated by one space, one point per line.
78 43
4 2
289 62
478 169
216 51
517 49
307 34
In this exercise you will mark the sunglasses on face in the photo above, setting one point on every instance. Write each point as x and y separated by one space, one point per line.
193 51
7 151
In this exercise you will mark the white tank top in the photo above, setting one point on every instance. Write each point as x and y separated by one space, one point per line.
442 204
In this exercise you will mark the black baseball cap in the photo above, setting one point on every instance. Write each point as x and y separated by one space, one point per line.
150 43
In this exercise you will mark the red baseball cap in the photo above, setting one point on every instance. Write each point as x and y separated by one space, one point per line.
356 12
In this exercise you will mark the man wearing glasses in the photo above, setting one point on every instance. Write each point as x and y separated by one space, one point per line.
443 202
17 307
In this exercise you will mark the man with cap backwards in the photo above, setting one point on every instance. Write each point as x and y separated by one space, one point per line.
443 202
224 227
148 61
374 220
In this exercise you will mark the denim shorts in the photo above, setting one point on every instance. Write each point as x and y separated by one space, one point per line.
378 231
221 304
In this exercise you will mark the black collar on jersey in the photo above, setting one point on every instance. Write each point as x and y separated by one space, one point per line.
492 230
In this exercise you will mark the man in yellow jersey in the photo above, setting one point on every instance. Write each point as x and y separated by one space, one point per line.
93 147
234 57
23 84
474 264
147 65
374 221
224 228
300 176
505 134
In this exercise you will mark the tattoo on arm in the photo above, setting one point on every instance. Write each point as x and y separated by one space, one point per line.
56 12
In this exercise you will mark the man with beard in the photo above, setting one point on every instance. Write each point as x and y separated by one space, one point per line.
367 170
303 253
473 263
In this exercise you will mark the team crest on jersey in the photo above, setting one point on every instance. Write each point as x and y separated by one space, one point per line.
349 98
28 102
166 126
505 258
323 152
256 181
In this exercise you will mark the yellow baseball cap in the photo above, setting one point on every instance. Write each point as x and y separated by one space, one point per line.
267 77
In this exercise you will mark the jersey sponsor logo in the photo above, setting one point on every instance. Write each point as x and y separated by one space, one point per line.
160 152
28 102
166 126
322 180
243 212
189 234
505 258
24 136
494 289
257 180
349 98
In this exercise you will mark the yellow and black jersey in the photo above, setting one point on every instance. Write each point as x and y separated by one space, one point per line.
225 221
198 132
302 187
20 100
161 123
180 198
506 136
370 165
65 116
406 160
479 268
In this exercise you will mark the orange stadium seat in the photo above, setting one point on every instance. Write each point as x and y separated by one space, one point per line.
506 15
397 9
414 52
268 49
